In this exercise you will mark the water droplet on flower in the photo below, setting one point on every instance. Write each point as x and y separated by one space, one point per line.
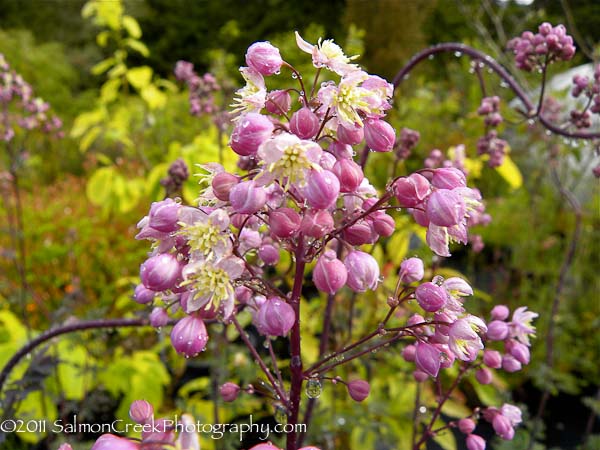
458 54
281 415
313 388
294 76
438 279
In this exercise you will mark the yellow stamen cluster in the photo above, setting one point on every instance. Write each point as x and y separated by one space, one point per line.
292 164
210 279
202 237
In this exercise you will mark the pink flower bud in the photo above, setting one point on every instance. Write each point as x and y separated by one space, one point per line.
427 359
322 189
520 352
349 174
341 150
500 312
278 102
160 272
222 184
431 297
141 411
252 130
511 364
466 426
269 254
112 442
358 390
409 352
143 295
163 215
161 431
243 294
457 287
503 427
317 223
275 317
363 271
445 208
264 58
492 358
267 446
382 224
350 136
189 336
305 123
411 190
247 198
229 391
497 330
329 274
420 376
379 135
448 178
475 442
411 270
484 376
360 233
65 447
159 317
284 222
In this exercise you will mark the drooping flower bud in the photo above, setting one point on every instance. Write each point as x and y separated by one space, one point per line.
159 317
229 391
497 330
503 427
243 294
112 442
247 198
500 312
305 123
322 189
379 135
519 351
349 174
329 274
264 58
189 336
163 215
275 317
360 233
141 411
350 136
284 222
160 272
492 358
143 295
382 223
475 442
252 130
466 426
162 430
445 208
411 190
222 183
511 364
358 390
341 150
408 353
411 270
431 297
448 178
484 375
269 254
316 223
420 376
427 358
363 271
278 102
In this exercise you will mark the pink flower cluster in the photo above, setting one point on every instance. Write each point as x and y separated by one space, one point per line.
202 88
491 144
408 140
20 108
591 91
503 420
535 51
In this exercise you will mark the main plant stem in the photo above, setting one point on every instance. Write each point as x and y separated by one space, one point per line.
296 361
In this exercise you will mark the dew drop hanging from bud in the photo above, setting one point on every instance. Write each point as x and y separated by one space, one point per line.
314 388
281 415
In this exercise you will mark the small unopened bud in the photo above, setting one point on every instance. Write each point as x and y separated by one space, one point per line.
159 317
189 336
229 391
329 274
379 135
431 297
284 222
484 375
160 272
445 208
427 358
358 390
411 190
252 130
143 295
411 270
163 215
363 271
497 330
350 136
247 198
222 184
492 358
322 189
264 58
275 317
511 364
304 123
349 174
278 102
475 442
141 411
383 224
466 426
360 233
269 254
503 427
408 353
317 223
500 312
448 178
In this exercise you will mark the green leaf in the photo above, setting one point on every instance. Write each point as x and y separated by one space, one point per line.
102 38
155 98
85 120
446 440
36 406
138 46
510 172
397 246
110 90
139 77
73 359
99 186
132 26
88 139
103 66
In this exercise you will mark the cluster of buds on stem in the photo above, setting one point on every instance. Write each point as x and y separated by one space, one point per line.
202 88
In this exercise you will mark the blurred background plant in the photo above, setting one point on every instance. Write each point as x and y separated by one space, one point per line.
107 70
